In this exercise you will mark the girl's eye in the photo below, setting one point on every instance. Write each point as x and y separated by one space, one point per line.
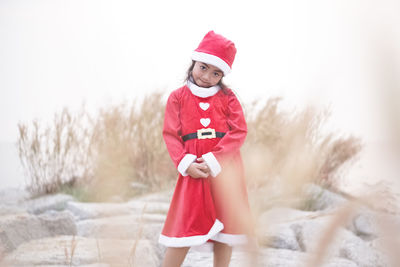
216 74
202 67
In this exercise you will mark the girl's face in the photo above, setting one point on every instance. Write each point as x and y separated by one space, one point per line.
206 75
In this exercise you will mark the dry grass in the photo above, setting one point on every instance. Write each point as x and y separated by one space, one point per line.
286 150
69 254
56 154
99 155
103 153
123 143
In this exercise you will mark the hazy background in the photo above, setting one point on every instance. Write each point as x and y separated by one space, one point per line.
342 55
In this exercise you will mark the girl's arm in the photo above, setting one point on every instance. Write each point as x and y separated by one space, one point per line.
172 131
232 140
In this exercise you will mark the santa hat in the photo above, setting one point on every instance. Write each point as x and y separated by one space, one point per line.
216 50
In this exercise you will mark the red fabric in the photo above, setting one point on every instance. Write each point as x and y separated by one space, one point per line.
217 45
197 203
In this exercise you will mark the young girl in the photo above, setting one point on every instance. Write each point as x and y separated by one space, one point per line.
204 128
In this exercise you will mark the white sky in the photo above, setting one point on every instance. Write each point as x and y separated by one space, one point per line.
56 53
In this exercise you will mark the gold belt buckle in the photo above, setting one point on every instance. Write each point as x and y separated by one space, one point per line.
206 133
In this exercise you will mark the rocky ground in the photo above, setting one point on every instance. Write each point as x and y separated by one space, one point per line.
58 231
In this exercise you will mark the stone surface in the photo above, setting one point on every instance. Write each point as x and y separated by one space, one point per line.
278 215
279 236
163 197
319 198
10 209
58 223
265 257
77 251
288 258
20 228
364 224
309 232
148 206
11 199
122 227
49 202
83 211
13 196
355 249
105 234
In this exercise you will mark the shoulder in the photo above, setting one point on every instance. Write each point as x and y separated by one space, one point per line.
228 92
229 95
177 93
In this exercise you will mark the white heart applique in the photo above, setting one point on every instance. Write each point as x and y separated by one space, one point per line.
204 106
205 122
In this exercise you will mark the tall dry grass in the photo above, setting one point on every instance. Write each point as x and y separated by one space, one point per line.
286 150
55 154
122 143
100 154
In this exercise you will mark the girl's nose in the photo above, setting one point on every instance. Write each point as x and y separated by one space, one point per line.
206 76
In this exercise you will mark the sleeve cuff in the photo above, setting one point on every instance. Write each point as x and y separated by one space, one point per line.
212 163
185 163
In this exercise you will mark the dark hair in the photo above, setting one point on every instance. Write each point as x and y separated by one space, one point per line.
221 84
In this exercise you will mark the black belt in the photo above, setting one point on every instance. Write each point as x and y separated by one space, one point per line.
203 134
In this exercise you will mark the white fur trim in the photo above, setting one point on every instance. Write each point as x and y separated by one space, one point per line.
189 241
185 163
213 60
202 91
231 239
212 163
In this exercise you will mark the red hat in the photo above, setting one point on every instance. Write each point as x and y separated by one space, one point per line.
216 50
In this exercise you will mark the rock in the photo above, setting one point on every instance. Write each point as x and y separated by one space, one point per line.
318 198
358 251
11 199
309 232
148 206
10 209
196 258
369 224
83 211
388 249
276 230
63 265
78 251
278 215
20 228
122 227
164 196
345 244
288 258
264 257
59 223
279 236
364 225
48 202
13 196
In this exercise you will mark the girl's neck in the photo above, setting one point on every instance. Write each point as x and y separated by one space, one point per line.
202 91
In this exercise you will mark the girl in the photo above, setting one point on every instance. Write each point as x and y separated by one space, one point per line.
204 128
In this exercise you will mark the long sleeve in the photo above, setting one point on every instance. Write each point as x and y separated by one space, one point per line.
172 131
233 139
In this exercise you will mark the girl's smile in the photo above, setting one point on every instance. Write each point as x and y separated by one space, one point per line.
205 75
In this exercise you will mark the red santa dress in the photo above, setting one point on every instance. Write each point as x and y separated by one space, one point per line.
214 208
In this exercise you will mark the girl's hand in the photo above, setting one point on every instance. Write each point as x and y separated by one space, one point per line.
204 165
198 170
